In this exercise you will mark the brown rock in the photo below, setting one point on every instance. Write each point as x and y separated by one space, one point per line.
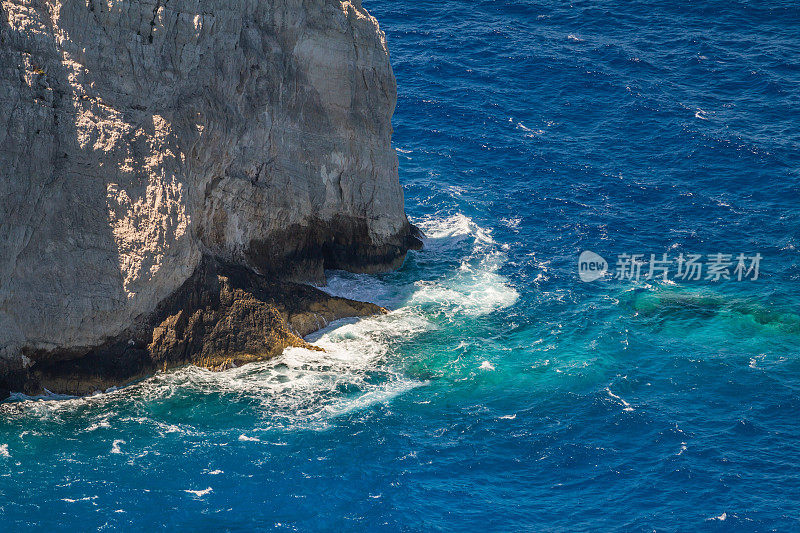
223 316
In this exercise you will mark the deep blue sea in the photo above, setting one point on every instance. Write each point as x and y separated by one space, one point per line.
503 393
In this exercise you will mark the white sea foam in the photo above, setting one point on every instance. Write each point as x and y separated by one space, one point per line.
444 232
476 288
74 500
103 423
199 493
481 295
4 450
626 405
308 388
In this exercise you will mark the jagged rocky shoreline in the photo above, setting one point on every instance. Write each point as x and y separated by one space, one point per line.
171 170
222 316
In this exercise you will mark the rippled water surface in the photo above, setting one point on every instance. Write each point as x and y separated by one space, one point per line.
502 393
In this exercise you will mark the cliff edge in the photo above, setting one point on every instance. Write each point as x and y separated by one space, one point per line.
153 151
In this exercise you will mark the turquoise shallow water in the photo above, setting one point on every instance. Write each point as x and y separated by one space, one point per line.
502 393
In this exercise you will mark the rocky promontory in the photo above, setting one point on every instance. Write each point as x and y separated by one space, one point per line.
172 171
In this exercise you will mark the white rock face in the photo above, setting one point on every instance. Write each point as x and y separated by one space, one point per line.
138 135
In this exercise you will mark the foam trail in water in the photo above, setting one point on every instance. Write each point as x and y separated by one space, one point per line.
626 405
115 446
476 288
199 493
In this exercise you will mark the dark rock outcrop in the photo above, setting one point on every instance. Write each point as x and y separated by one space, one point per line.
222 316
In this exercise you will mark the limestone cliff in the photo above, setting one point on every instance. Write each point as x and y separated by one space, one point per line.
138 137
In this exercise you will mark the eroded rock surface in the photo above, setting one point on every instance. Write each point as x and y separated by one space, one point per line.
222 316
139 136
